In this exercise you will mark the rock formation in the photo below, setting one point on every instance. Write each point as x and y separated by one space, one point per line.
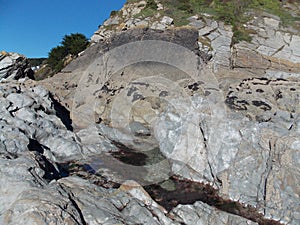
157 124
14 66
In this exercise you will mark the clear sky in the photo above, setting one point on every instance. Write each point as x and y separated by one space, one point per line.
33 27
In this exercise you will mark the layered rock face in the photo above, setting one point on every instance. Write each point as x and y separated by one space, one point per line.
165 126
38 185
14 66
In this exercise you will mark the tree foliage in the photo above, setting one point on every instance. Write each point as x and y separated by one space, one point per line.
74 43
55 58
71 45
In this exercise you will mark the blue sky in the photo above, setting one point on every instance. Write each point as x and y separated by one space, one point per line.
33 27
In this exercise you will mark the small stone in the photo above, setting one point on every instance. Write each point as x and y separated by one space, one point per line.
167 20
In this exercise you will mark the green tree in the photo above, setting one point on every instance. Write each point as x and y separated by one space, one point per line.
75 43
55 58
71 44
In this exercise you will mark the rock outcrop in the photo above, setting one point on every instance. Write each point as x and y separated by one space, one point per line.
273 50
37 182
129 18
204 133
14 66
165 125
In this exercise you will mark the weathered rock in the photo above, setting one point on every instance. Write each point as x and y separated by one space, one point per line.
167 20
195 21
201 213
147 104
215 39
271 48
131 18
112 21
227 135
266 100
14 66
30 115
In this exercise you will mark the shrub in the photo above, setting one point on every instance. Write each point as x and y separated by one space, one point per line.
149 10
185 6
240 34
113 13
151 5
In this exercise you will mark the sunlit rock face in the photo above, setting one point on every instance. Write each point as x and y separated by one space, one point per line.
14 66
154 124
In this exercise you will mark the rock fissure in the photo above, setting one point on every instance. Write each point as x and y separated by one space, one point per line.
75 205
62 113
36 177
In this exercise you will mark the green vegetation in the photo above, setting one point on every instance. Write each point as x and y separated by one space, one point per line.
232 12
55 58
113 13
43 72
275 7
149 10
36 61
151 5
71 45
179 10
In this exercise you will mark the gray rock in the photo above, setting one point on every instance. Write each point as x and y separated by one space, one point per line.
167 20
158 26
274 74
231 152
27 198
112 21
201 213
142 23
205 30
139 129
211 122
129 204
271 22
195 21
14 66
93 142
19 101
